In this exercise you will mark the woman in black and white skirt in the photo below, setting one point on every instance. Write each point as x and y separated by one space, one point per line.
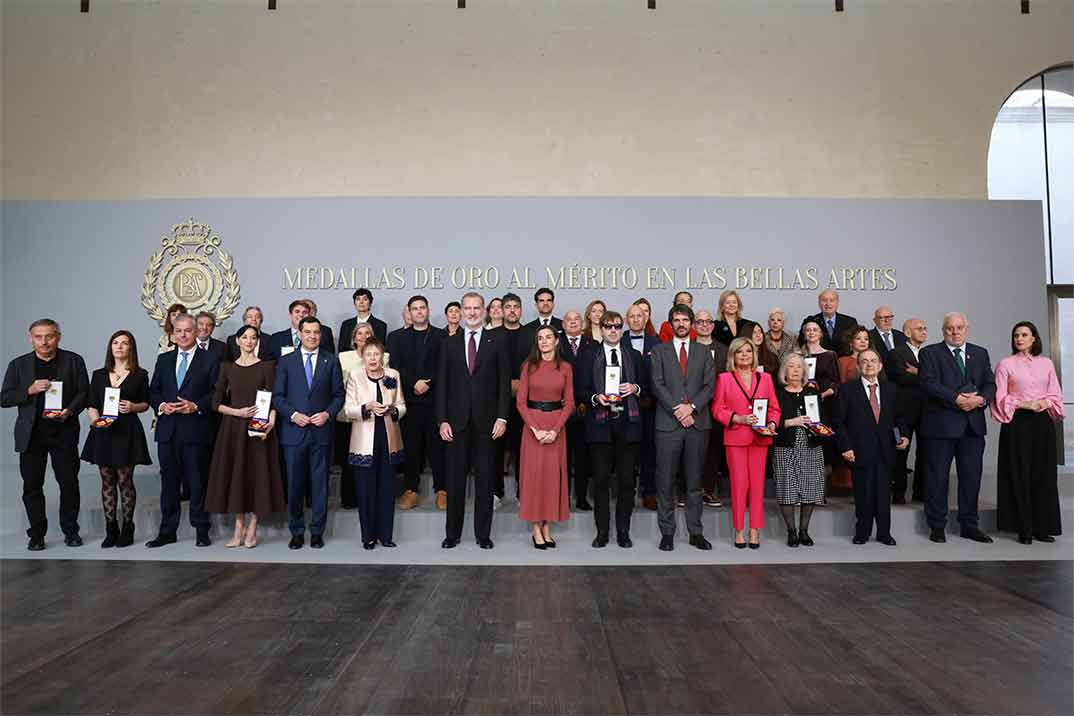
797 456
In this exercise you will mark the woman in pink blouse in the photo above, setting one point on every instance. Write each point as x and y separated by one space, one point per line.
1028 403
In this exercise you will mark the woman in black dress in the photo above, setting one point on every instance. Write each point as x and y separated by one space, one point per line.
116 445
729 320
245 473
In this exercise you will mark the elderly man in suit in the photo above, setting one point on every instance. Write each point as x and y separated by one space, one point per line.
957 381
683 381
883 335
473 396
637 339
308 394
572 343
204 324
42 435
902 368
181 394
866 418
833 324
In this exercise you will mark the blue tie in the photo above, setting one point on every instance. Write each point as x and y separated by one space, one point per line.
831 328
182 369
309 370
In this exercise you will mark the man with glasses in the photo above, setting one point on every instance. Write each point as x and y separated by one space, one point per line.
613 424
884 336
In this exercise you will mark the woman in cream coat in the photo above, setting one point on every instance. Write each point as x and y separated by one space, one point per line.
374 405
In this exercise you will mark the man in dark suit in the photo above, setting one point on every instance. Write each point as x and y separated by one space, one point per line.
508 449
308 394
902 367
956 378
181 394
40 436
643 344
414 352
571 345
472 399
866 417
612 424
252 316
285 342
204 324
883 336
363 309
833 324
544 300
715 464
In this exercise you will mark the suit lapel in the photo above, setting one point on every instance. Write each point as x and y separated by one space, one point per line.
486 342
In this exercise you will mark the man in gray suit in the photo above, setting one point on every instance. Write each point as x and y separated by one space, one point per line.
683 380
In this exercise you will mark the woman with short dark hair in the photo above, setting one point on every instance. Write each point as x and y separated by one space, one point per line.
1029 403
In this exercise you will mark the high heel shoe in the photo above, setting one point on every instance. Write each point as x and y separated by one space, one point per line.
792 537
804 539
550 543
742 544
757 544
538 545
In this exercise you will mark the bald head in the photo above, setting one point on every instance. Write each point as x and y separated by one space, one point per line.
572 323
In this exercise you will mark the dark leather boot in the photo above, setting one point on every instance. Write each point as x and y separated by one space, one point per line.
126 536
111 534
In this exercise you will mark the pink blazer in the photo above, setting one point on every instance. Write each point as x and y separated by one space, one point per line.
732 398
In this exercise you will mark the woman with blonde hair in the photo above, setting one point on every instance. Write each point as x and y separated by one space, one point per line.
591 319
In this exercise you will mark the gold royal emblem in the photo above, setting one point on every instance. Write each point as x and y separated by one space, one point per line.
200 274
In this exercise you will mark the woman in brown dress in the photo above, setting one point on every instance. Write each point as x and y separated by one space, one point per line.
545 400
245 472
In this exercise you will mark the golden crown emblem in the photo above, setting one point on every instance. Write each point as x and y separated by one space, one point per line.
199 274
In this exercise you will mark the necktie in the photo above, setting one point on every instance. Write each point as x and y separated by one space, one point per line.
574 345
471 353
544 321
960 362
831 327
309 370
203 346
887 341
682 358
296 341
184 357
874 402
615 357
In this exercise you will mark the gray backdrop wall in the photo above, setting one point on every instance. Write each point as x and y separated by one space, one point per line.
83 262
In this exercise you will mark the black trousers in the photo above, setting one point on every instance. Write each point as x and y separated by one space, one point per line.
421 436
647 453
64 455
872 498
898 477
375 487
578 458
472 447
512 440
624 455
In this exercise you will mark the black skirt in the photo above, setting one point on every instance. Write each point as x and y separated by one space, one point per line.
1027 489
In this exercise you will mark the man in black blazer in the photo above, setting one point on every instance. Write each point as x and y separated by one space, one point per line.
472 400
833 324
902 368
544 300
363 309
884 337
956 378
204 323
866 417
252 316
571 345
39 437
181 394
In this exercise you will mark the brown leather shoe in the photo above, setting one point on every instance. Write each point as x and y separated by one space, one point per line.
409 500
649 502
441 500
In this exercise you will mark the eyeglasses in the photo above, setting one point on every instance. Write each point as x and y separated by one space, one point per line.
885 318
704 322
612 326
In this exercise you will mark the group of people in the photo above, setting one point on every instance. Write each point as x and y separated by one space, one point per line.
606 401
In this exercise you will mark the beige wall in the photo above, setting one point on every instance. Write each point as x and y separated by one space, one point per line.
893 98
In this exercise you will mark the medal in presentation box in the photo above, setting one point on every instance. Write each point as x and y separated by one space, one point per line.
259 424
53 400
109 409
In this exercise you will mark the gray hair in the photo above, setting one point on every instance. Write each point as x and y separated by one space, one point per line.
206 314
183 317
472 294
953 314
253 308
354 333
787 360
46 322
778 310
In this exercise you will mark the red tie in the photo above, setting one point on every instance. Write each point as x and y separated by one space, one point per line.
682 358
471 353
874 402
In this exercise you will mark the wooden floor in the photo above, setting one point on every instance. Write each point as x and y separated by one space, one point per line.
83 637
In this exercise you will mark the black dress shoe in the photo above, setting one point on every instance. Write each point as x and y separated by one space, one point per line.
386 543
36 544
449 543
667 543
583 506
73 540
859 540
1025 539
601 540
936 534
202 540
976 535
296 542
485 543
624 541
1044 538
316 541
804 539
160 541
792 537
371 544
889 540
700 542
